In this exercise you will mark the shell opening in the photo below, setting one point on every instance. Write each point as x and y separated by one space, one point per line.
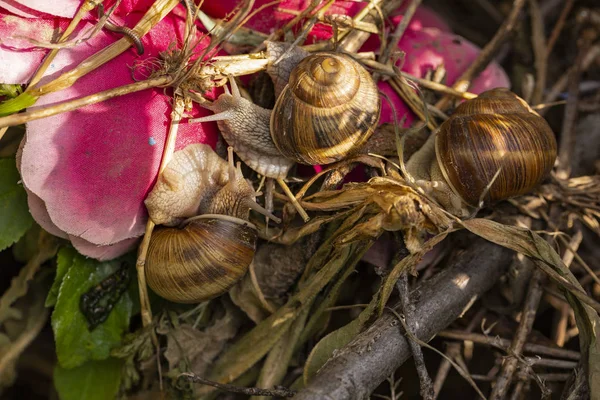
229 218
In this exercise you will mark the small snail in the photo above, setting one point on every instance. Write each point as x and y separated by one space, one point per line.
202 256
327 110
492 148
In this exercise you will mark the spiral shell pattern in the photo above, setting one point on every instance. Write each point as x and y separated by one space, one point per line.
327 111
496 133
201 259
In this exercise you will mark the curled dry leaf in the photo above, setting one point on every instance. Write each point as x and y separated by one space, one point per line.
191 349
397 207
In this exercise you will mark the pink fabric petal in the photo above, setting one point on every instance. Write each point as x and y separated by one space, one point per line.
93 167
18 60
16 8
429 48
103 253
59 8
274 16
38 211
424 17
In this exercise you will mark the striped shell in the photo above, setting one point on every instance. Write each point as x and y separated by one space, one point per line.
201 259
327 111
497 131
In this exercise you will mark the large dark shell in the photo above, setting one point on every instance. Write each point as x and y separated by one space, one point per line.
497 131
327 111
200 260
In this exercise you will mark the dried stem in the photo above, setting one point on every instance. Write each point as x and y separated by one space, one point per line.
355 39
176 115
509 367
452 351
158 10
560 23
406 307
568 137
399 31
539 50
504 344
43 112
85 7
277 392
357 369
486 55
561 84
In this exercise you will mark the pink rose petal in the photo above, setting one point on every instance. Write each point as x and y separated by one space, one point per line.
59 8
93 167
38 211
429 48
14 7
274 16
18 60
103 253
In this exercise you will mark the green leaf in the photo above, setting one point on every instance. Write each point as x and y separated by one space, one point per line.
75 344
406 264
9 90
93 380
64 260
28 245
254 345
337 339
17 104
15 219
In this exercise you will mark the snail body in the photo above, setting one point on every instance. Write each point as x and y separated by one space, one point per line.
328 109
492 148
194 259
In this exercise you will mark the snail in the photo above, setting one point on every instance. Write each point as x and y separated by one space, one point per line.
492 148
206 242
327 107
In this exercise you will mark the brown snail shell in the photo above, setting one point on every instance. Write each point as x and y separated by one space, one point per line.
328 110
201 259
495 133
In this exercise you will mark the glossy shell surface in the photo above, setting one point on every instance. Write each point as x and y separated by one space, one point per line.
327 111
201 259
495 134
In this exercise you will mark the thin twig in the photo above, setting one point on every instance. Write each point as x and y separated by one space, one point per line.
358 368
250 391
561 84
399 31
509 367
43 112
452 351
407 307
558 26
85 8
504 344
550 362
568 137
486 55
539 50
176 115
